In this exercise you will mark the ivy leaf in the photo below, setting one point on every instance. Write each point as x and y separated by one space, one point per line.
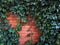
11 30
18 27
1 43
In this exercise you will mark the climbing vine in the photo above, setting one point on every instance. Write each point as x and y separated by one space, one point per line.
45 12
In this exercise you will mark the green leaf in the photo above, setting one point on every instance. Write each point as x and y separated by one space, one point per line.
11 30
1 43
18 27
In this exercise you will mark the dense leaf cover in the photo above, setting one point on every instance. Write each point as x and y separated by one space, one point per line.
45 12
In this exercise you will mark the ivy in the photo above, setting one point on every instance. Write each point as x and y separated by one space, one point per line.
45 12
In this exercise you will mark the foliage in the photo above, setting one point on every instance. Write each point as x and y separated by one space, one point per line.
45 12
